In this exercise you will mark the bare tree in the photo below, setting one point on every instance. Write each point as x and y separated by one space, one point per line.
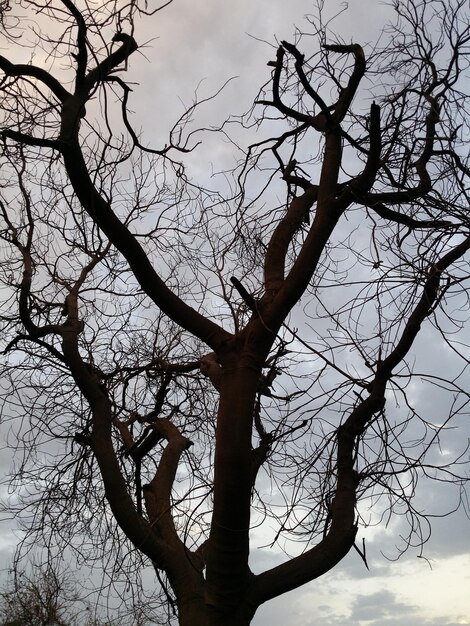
47 594
183 365
42 597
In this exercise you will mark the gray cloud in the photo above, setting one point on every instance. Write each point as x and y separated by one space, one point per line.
381 604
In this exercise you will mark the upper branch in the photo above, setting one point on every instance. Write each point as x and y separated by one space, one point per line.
347 93
158 492
422 309
274 264
38 73
299 63
82 56
277 102
103 69
421 164
366 179
102 214
394 216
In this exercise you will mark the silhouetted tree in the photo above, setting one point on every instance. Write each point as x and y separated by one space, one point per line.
183 365
43 597
47 594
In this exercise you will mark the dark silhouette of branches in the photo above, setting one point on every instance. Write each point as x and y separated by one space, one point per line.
183 364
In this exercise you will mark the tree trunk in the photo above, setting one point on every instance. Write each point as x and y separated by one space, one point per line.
198 614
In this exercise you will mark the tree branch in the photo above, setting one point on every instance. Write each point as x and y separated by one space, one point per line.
119 235
38 73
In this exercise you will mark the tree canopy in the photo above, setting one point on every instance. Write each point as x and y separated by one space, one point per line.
187 360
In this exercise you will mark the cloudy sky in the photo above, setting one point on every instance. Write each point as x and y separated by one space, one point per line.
212 41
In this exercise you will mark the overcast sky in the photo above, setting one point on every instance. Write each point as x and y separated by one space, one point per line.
211 41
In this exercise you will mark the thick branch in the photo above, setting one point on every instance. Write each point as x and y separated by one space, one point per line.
366 179
425 184
340 537
157 538
326 217
275 259
38 73
313 121
157 493
347 93
422 309
299 63
122 506
119 235
29 140
81 57
394 216
322 557
103 69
